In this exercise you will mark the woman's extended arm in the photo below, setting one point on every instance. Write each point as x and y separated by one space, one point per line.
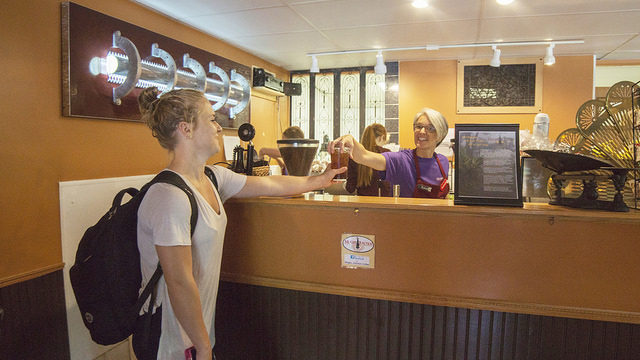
176 265
286 185
358 153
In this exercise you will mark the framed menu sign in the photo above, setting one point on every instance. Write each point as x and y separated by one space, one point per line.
487 165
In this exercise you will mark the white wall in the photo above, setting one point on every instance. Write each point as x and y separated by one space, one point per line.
82 204
608 75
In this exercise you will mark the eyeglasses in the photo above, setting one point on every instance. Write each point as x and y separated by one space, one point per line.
430 128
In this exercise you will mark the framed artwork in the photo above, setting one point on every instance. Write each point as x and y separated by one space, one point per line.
513 87
487 165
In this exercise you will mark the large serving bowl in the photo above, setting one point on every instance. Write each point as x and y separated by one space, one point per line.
564 162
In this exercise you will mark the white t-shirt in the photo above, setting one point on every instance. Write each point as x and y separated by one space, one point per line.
164 219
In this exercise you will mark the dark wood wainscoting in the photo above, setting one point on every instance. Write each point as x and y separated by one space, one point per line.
34 325
255 322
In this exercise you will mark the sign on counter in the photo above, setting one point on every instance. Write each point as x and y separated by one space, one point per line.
487 165
358 251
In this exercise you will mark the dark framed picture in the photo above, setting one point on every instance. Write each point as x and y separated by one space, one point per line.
487 165
514 87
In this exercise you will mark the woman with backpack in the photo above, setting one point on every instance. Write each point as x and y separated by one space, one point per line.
183 311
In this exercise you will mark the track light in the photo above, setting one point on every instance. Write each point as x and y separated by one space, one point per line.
314 65
380 67
549 59
495 60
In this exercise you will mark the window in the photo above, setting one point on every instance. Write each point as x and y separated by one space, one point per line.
345 101
350 103
323 106
375 104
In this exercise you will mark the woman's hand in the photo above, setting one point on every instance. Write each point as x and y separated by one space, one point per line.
204 353
358 153
328 175
345 141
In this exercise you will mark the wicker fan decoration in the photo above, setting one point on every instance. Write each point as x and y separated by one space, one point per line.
572 141
609 124
604 130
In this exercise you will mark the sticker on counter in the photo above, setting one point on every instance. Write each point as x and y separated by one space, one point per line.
358 251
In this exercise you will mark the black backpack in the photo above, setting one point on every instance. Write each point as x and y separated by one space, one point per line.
106 275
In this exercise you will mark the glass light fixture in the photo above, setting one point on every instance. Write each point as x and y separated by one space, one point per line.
504 2
549 59
495 60
380 67
314 65
420 4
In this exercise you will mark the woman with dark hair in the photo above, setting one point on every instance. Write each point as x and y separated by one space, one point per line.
184 123
292 132
361 178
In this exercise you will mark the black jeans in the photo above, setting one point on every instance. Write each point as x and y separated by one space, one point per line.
147 348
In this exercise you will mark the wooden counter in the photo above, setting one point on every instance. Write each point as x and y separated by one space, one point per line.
540 259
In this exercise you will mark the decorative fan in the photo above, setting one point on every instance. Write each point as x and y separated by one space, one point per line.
604 129
575 143
594 123
620 108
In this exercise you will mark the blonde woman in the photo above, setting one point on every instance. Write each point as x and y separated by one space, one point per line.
183 313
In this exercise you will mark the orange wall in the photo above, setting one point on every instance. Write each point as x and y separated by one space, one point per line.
566 85
40 147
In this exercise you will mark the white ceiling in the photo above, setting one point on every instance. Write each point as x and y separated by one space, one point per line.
283 32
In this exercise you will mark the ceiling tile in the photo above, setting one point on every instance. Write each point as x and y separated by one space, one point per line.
403 35
298 41
555 7
559 26
277 20
382 12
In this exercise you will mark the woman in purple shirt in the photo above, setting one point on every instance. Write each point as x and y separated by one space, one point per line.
419 172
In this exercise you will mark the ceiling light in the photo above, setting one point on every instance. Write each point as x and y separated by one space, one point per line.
420 4
504 2
495 60
549 59
314 65
380 67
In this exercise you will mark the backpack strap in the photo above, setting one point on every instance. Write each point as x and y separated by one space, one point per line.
172 178
211 175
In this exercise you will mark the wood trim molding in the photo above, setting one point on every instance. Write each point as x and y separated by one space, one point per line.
30 274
